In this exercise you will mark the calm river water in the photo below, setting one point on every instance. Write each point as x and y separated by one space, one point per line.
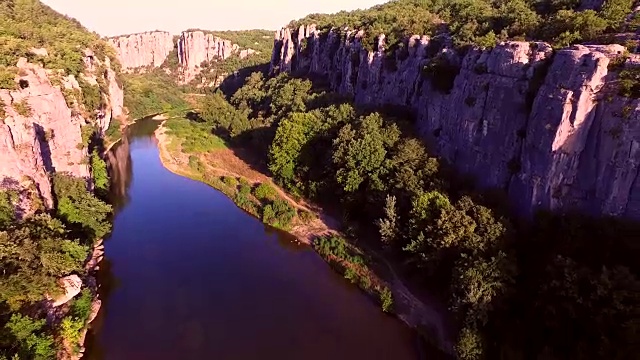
188 275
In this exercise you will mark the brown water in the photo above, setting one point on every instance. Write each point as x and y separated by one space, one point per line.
188 275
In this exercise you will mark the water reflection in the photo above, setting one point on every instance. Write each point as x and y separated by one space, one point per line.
188 275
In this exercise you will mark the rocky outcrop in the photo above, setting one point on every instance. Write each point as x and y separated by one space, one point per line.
41 133
142 50
548 127
71 286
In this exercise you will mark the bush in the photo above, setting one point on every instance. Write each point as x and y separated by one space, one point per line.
113 132
7 77
77 206
265 191
469 345
23 108
7 211
81 306
99 173
386 298
91 96
29 336
70 328
230 181
306 216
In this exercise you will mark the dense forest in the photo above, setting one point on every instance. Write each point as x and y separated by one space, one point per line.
35 252
481 22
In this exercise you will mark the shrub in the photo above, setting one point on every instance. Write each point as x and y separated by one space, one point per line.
386 298
70 328
113 132
196 165
81 306
306 216
7 77
230 181
469 345
91 96
265 191
22 108
7 214
99 173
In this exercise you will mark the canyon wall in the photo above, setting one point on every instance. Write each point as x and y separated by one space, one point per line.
41 125
142 50
195 50
548 127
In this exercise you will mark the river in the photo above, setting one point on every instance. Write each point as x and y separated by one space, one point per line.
188 275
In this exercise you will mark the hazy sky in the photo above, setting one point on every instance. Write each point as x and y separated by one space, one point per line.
116 17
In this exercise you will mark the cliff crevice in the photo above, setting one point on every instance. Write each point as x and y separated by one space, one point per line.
547 126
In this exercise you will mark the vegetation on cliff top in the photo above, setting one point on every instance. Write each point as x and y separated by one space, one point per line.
478 21
29 24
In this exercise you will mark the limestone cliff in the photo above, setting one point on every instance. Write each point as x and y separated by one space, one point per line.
196 49
546 126
142 50
41 125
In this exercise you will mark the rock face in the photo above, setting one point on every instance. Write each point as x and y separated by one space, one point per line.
41 134
142 50
548 127
71 286
195 48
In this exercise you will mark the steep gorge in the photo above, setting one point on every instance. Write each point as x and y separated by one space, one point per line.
547 126
193 50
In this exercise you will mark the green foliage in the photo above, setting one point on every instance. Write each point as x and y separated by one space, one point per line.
194 137
151 93
99 173
629 82
7 211
7 77
86 132
216 111
256 39
91 96
31 341
70 329
81 305
475 22
386 298
28 24
22 108
306 216
78 207
264 191
33 255
615 12
469 345
278 214
230 181
113 132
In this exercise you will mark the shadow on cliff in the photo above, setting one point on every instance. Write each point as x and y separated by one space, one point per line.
43 141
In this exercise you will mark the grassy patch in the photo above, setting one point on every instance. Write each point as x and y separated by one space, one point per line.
194 137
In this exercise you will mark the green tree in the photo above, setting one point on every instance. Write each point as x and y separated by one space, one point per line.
359 152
